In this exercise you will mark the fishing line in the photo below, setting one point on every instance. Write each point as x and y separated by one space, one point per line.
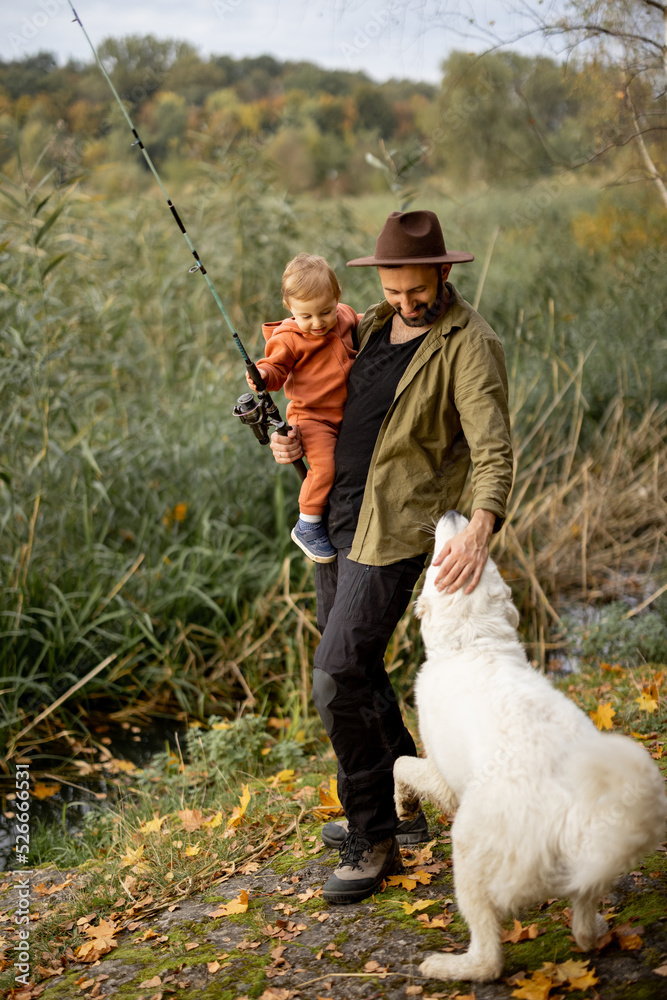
197 266
258 416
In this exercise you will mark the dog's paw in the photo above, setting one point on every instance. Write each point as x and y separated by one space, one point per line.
434 966
601 925
407 804
466 966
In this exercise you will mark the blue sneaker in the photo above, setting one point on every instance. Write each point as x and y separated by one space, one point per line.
314 541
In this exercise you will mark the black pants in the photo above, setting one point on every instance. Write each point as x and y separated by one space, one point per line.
358 608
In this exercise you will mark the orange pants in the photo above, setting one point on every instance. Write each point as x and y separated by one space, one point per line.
318 437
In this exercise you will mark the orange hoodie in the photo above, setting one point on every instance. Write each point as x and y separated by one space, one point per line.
313 369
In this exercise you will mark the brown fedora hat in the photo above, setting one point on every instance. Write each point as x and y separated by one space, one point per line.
411 238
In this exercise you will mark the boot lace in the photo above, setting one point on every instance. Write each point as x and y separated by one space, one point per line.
353 850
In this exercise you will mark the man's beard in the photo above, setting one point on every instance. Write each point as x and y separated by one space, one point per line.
428 314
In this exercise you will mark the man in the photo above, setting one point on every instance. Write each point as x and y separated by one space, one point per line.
427 396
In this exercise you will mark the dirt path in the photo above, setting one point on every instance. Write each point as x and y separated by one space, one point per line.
289 943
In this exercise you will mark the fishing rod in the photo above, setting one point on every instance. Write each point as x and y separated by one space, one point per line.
261 413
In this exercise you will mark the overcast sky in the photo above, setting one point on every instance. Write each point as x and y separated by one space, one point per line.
385 38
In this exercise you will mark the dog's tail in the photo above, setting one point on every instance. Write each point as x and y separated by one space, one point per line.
620 812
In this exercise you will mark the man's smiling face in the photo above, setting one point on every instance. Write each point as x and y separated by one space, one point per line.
416 291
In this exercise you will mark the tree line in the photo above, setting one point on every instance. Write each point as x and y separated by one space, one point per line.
493 119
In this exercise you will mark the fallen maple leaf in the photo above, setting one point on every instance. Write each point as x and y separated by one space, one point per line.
578 973
152 825
421 904
191 819
41 791
537 987
131 856
282 777
238 811
238 905
410 881
123 765
101 942
444 920
44 890
519 933
213 821
329 801
603 715
422 855
192 851
628 936
646 702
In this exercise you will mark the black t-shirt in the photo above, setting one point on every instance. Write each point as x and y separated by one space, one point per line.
370 392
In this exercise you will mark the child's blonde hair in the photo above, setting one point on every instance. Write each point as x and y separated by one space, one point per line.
307 276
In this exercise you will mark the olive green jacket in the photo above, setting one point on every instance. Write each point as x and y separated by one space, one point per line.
450 409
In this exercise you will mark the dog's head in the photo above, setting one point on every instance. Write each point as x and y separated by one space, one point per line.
459 619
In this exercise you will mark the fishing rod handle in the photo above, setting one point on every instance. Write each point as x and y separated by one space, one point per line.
282 428
253 372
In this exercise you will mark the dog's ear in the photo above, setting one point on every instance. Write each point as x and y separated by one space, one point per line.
513 615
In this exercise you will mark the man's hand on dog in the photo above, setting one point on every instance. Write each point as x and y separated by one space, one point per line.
462 559
286 448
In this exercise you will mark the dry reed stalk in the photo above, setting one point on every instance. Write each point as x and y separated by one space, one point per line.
595 519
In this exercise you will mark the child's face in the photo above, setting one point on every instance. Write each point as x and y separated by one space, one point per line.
316 315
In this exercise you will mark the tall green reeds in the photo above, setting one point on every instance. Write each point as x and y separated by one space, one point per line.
141 526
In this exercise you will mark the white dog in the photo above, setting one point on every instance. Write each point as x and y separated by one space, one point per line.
546 805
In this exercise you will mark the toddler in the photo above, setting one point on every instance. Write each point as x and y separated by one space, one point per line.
311 355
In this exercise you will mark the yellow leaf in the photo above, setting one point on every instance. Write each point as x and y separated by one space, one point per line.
584 981
603 715
330 803
421 904
192 851
572 969
180 510
238 811
42 791
153 825
131 856
536 988
646 703
282 777
630 942
220 725
124 765
404 881
214 821
238 905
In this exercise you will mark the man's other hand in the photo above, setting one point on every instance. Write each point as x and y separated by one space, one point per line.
286 449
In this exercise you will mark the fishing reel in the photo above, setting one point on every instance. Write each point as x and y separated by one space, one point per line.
262 415
254 413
